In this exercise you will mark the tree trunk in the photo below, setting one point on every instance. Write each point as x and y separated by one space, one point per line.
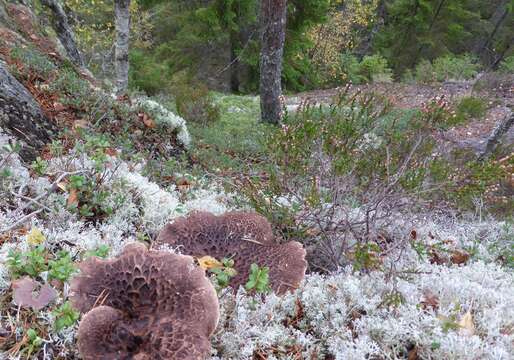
122 15
501 129
21 116
273 25
64 32
234 61
498 18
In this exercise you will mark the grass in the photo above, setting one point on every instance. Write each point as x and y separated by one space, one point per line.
234 143
470 107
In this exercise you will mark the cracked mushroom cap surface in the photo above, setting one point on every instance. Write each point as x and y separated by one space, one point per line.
245 237
144 305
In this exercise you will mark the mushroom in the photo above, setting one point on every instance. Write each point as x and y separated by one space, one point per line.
245 237
144 304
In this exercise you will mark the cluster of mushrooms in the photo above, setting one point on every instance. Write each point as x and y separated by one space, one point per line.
150 304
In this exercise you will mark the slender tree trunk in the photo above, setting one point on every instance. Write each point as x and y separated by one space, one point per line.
64 31
234 61
500 16
122 15
273 27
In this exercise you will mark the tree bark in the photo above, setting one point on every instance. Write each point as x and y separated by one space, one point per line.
234 61
122 15
64 32
21 116
501 129
498 18
273 26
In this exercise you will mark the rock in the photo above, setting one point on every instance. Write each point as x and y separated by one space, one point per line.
21 116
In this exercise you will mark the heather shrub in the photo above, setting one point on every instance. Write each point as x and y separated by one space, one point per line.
337 172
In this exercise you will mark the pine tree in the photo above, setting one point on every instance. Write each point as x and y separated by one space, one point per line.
273 26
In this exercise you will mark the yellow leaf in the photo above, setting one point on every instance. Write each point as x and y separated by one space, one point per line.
208 262
35 237
467 325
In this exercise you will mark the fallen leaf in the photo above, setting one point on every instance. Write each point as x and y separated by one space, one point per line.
430 300
459 257
147 120
73 198
208 262
467 327
24 294
111 152
413 354
35 237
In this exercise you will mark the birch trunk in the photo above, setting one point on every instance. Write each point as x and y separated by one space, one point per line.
273 26
122 15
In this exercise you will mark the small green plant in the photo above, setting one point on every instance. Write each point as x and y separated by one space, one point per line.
350 69
34 342
372 68
258 280
470 107
62 267
65 316
56 148
102 251
451 67
507 65
31 263
39 166
90 200
375 69
393 298
424 72
223 274
75 92
366 256
33 61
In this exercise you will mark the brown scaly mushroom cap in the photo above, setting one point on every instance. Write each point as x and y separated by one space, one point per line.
246 238
144 305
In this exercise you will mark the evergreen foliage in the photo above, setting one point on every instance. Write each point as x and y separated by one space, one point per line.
425 29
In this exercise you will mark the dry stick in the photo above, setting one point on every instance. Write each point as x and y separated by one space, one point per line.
31 200
36 201
21 221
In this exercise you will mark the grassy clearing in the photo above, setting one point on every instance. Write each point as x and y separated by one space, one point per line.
235 142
